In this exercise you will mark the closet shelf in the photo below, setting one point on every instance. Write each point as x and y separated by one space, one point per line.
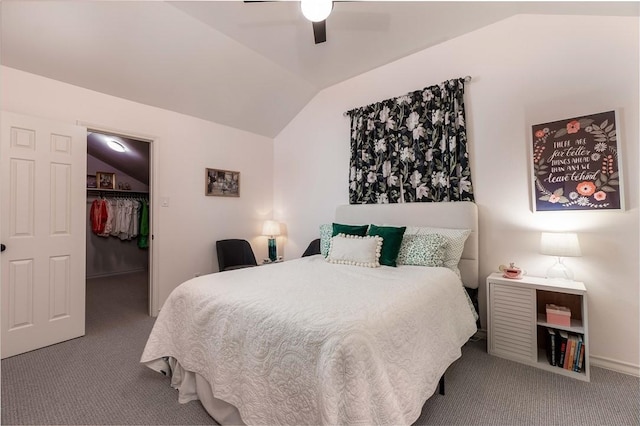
115 192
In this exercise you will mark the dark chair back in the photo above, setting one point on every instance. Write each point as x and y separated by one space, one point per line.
234 254
314 248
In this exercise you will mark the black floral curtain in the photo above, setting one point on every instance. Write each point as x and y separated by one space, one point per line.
412 148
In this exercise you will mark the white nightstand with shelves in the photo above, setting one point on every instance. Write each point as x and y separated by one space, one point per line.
517 324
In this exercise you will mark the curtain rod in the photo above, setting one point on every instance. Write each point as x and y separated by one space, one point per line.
346 113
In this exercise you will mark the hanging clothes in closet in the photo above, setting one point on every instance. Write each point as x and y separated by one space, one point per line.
98 216
123 218
143 240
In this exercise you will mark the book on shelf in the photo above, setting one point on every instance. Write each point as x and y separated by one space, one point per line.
563 338
571 351
576 357
567 353
577 366
581 358
551 346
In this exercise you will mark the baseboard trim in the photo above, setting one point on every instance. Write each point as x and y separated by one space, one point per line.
612 364
113 274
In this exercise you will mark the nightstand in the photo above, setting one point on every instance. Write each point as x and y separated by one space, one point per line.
517 327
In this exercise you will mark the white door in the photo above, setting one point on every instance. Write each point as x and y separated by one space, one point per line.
42 224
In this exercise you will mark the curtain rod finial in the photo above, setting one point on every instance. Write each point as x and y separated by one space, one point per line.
467 78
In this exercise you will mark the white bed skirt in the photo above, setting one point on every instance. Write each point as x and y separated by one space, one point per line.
192 386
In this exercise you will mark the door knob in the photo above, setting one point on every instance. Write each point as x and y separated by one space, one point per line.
2 247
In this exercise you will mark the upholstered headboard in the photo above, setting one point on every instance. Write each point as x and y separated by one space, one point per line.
462 215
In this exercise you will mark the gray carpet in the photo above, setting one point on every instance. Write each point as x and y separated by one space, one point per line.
97 379
486 390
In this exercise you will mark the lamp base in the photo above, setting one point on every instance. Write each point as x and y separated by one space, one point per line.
273 253
559 271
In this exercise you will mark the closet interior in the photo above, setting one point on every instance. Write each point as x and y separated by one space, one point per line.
118 213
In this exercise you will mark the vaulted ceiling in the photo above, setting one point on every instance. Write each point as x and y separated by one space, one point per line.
252 66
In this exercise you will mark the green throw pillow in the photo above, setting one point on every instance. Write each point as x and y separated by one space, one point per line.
359 230
391 241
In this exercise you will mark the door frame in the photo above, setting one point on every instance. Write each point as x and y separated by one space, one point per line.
154 264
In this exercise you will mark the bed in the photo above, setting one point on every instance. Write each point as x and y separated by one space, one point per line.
310 342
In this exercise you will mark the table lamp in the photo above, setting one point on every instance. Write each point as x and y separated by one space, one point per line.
271 229
560 244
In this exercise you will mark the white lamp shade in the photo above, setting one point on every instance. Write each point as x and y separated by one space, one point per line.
271 228
561 244
316 10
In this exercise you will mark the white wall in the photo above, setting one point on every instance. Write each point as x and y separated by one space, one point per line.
185 231
526 70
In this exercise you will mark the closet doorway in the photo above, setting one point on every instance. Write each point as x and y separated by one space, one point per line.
118 244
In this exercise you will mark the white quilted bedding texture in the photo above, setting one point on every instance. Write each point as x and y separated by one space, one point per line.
309 342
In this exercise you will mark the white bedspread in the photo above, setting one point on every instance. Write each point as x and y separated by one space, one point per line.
308 342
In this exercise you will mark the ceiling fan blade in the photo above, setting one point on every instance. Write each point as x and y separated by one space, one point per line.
320 31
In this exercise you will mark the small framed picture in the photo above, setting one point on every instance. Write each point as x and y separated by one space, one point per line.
222 183
106 180
91 181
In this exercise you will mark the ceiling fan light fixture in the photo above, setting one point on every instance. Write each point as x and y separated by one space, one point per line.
316 10
116 146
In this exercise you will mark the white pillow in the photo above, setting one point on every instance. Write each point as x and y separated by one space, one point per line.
455 245
355 250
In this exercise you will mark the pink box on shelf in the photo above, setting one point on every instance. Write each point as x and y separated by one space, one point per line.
558 315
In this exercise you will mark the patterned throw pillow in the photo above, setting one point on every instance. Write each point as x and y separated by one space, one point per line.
355 250
422 250
455 243
326 232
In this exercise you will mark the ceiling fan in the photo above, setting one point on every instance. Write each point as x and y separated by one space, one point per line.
316 11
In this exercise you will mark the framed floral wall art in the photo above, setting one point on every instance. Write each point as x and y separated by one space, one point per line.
576 164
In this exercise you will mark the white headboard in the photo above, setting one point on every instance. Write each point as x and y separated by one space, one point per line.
461 214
